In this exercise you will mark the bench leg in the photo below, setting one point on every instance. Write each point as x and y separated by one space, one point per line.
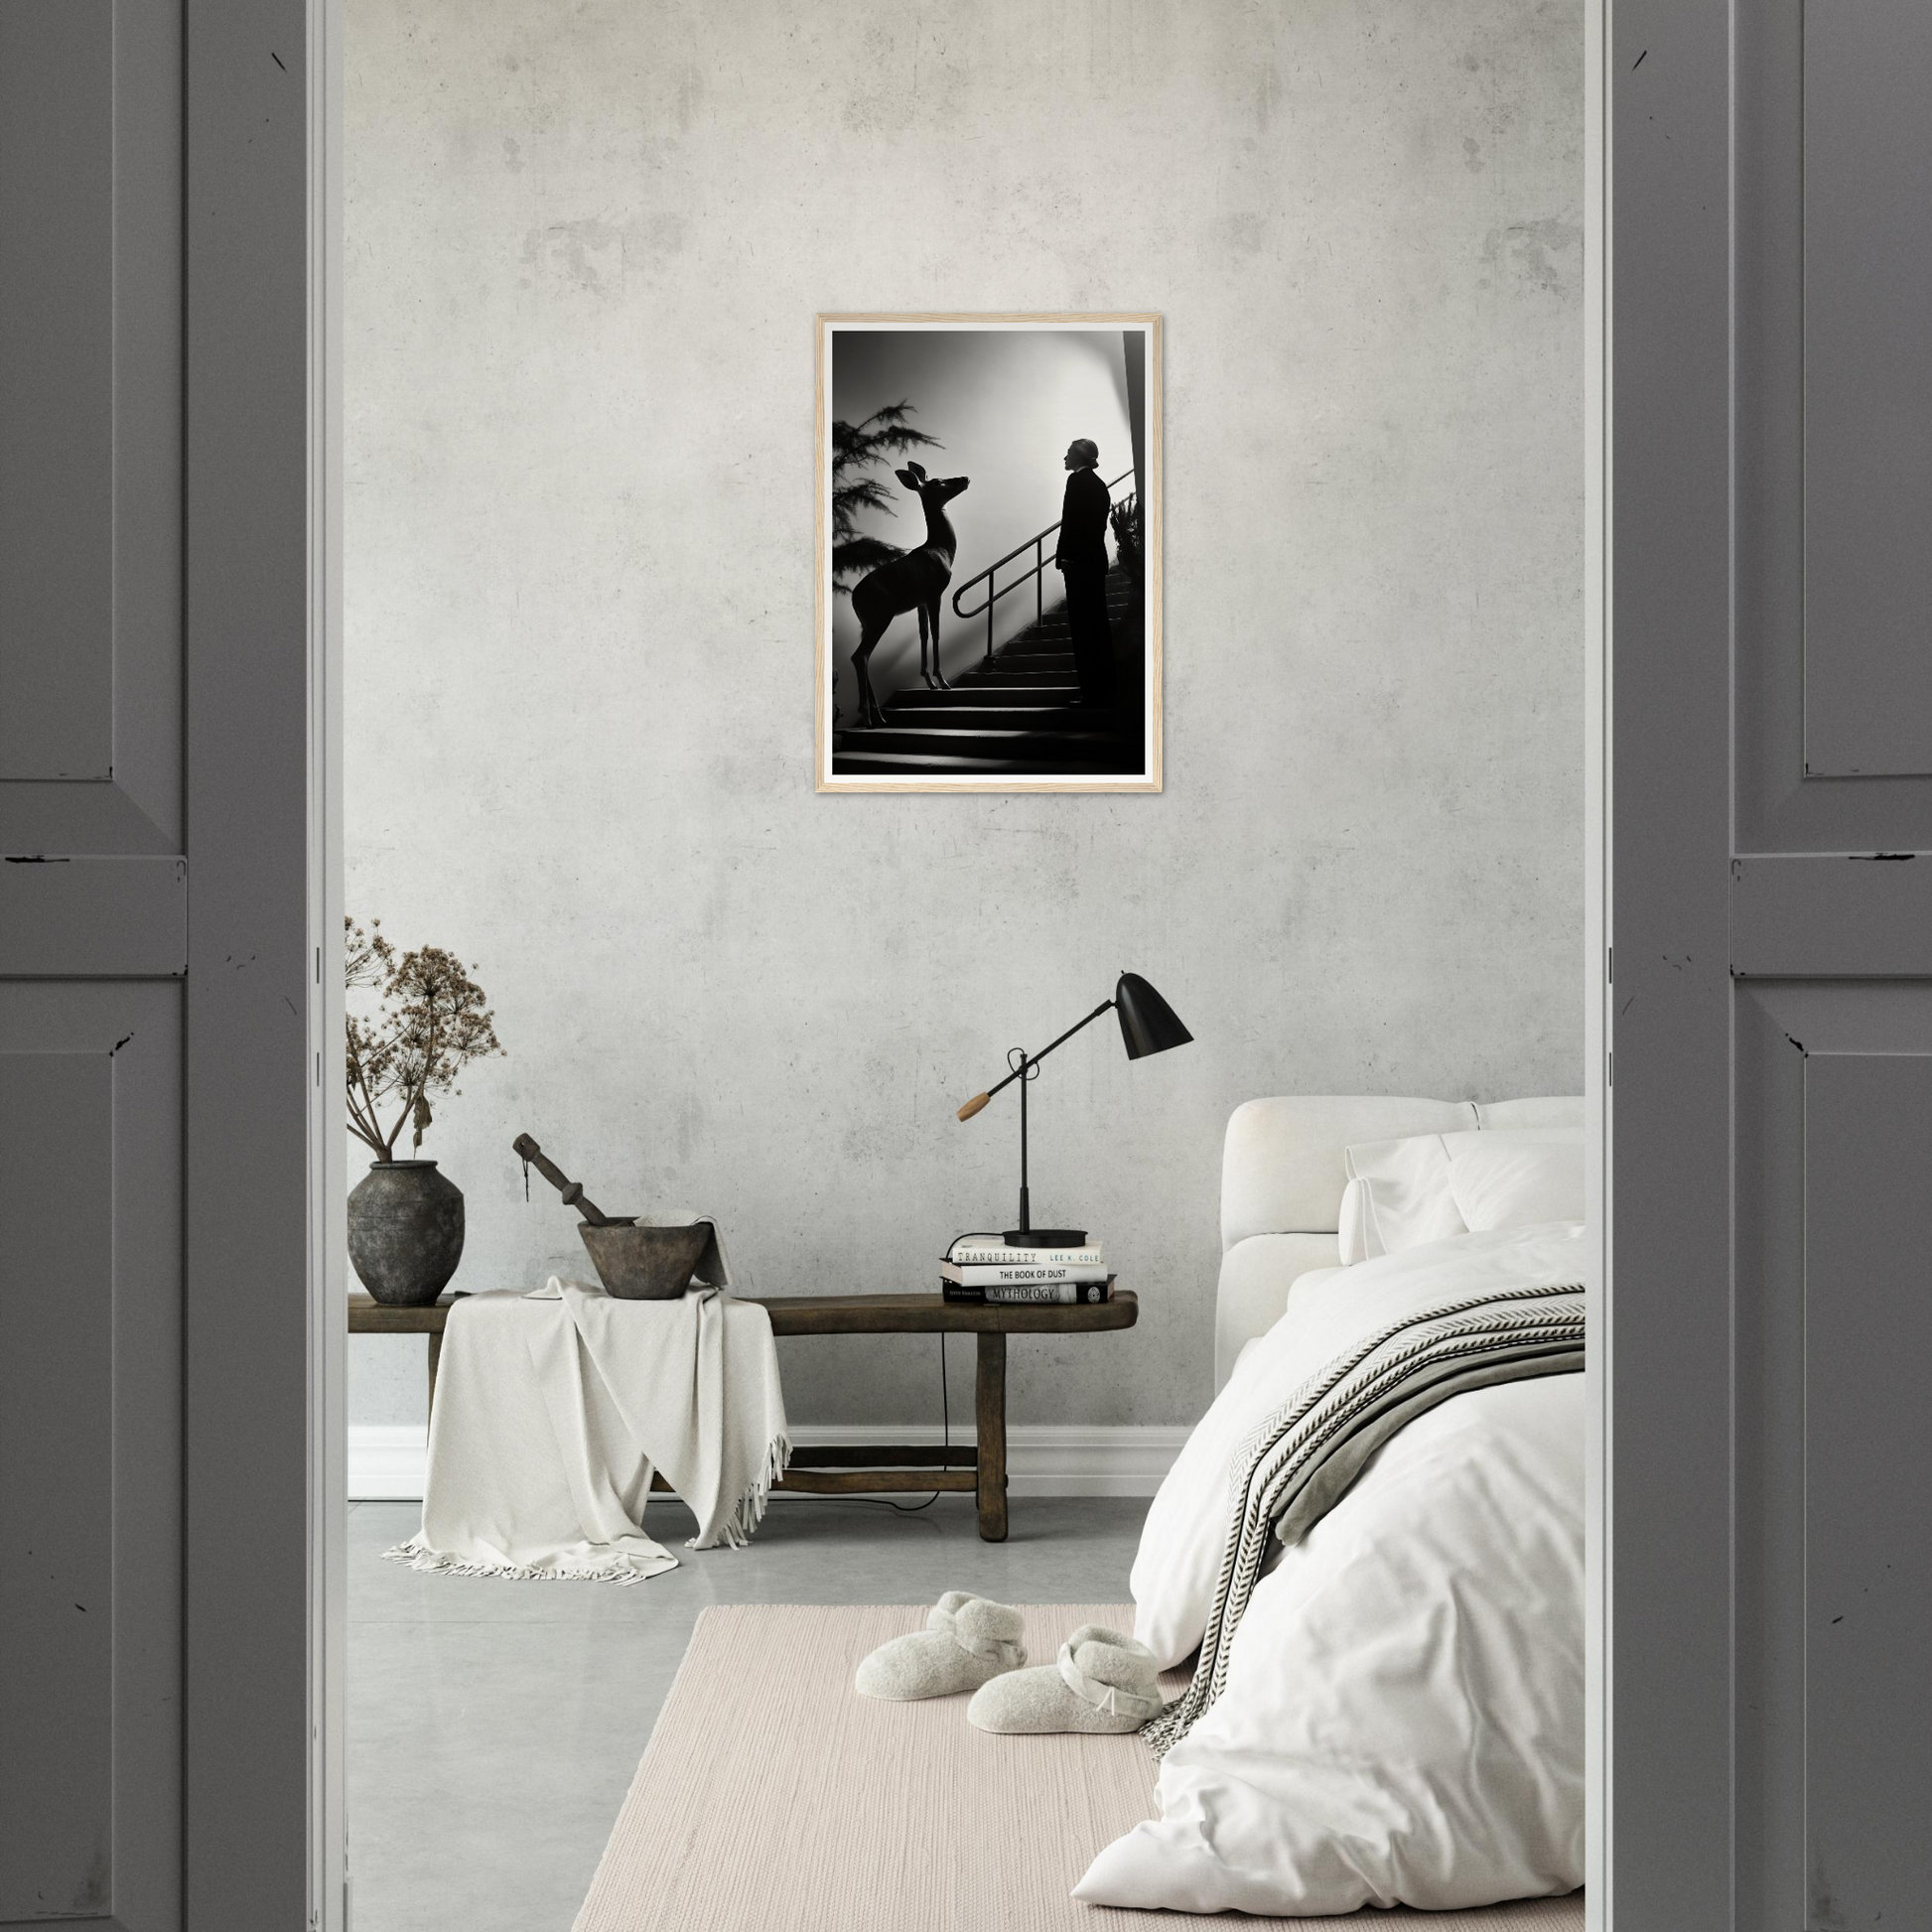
434 1357
991 1408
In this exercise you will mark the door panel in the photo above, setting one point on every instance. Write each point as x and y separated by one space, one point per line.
1867 389
166 804
1771 914
111 918
1834 1437
1830 953
1867 1513
91 427
93 953
90 1333
1801 607
56 345
1846 916
56 1507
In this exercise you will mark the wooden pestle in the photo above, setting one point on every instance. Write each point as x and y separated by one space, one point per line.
571 1190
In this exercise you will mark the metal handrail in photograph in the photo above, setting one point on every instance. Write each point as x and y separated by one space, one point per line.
1037 544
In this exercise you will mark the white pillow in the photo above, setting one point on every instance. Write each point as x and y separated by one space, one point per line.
1514 1178
1354 1229
1429 1186
1403 1197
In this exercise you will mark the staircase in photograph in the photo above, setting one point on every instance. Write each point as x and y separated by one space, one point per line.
1013 717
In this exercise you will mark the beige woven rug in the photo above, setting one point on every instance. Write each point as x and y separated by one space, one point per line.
775 1799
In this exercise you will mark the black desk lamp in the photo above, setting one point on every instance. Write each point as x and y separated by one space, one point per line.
1148 1025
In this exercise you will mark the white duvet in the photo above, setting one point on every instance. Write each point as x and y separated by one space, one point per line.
1403 1722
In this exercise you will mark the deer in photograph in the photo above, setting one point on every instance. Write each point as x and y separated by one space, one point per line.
914 581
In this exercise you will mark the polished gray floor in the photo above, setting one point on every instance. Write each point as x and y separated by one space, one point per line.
494 1727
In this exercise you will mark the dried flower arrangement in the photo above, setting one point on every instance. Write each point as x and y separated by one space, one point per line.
430 1020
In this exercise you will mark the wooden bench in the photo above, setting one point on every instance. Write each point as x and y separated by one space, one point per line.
835 1470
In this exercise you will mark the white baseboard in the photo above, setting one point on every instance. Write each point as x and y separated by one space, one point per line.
387 1460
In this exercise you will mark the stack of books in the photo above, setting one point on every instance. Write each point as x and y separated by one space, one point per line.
982 1268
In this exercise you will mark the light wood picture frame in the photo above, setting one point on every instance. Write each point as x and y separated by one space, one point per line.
986 557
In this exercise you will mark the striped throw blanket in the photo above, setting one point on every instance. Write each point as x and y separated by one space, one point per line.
1300 1460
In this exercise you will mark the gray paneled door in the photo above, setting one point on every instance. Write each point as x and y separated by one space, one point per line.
93 943
158 1003
1770 1463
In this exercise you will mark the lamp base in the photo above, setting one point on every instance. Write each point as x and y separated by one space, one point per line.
1044 1237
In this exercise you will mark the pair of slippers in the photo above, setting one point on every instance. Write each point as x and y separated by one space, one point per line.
1102 1680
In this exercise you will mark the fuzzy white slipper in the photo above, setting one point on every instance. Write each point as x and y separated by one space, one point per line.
967 1640
1103 1681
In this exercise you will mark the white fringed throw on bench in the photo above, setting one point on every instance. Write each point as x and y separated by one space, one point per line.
553 1409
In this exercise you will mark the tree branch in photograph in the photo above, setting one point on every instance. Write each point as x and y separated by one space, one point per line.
882 438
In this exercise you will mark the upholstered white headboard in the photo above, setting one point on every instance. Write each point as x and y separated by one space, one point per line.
1282 1180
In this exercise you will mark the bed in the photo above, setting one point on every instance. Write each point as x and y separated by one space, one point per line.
1373 1542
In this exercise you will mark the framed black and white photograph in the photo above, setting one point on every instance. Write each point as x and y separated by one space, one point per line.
988 553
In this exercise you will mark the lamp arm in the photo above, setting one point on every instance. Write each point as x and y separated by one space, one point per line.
979 1100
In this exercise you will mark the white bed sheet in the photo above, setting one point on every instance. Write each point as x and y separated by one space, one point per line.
1403 1722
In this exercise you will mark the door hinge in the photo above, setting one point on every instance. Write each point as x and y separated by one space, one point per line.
1609 965
1609 1069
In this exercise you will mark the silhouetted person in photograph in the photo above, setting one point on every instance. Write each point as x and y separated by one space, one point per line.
1081 559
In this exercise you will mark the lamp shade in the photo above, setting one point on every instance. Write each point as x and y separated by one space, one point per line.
1148 1025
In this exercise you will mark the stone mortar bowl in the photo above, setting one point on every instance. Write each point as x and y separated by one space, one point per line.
646 1264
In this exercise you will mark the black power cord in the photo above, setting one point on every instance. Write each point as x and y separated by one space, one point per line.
945 1436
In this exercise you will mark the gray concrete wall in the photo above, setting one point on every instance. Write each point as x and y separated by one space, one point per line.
584 248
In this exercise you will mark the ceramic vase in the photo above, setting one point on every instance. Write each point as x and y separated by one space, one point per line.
405 1231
